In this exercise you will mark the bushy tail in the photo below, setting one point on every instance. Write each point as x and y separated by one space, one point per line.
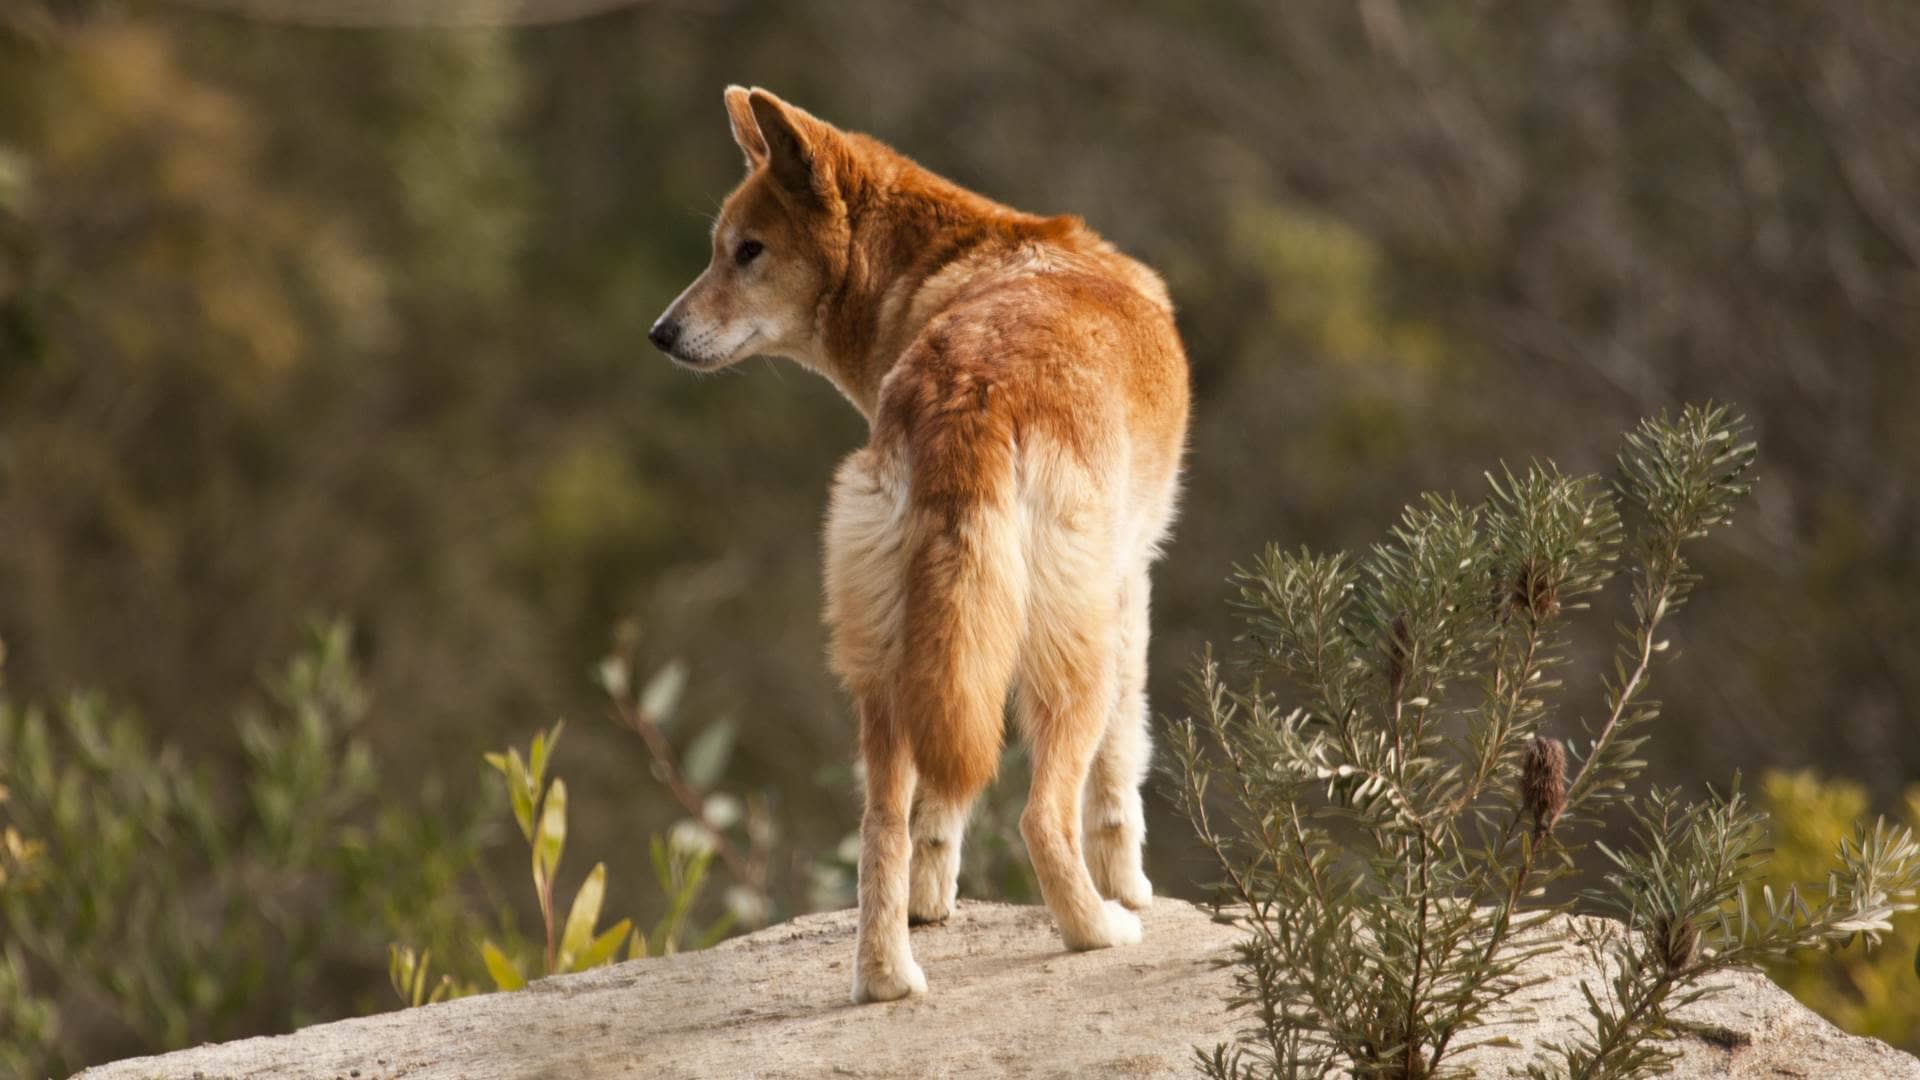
965 612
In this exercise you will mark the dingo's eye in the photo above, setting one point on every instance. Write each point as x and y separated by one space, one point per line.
748 251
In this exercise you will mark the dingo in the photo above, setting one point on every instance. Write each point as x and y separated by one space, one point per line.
1027 398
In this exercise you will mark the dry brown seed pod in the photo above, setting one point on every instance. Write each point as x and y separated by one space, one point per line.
1543 783
1677 943
1534 592
1399 649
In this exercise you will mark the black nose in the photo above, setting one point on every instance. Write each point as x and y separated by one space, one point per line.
664 334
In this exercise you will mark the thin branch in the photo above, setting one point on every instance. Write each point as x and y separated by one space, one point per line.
1510 709
1631 687
1833 95
745 870
1413 1055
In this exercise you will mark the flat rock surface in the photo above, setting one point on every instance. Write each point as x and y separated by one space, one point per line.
1005 1001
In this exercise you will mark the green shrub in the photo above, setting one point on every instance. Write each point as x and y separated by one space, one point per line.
167 913
540 810
146 907
1390 840
29 1019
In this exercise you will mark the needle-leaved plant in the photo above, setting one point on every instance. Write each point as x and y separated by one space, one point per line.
1392 790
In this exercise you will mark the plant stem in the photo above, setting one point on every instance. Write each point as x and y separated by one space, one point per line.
750 872
1617 1037
1419 959
546 916
1502 923
1510 708
1635 681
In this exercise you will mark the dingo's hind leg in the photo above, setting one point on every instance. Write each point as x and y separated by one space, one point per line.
939 825
884 968
1065 698
1112 814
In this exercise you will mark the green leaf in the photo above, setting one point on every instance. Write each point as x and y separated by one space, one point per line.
520 791
614 677
399 969
552 837
582 916
420 976
662 693
506 974
707 757
662 867
715 931
602 948
543 744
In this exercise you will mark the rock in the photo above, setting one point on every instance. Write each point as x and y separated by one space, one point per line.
1005 1001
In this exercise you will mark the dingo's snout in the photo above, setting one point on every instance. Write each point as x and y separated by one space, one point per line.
666 331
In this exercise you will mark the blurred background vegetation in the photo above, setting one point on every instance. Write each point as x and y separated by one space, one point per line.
301 315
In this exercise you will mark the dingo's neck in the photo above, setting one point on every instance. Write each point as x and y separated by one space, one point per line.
918 244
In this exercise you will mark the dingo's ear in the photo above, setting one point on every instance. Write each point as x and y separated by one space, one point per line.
789 139
746 130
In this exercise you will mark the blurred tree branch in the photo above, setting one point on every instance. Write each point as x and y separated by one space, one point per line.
414 13
1836 95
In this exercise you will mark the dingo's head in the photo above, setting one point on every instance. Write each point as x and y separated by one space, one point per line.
778 244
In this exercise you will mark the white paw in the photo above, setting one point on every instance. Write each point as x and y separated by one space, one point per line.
1137 895
930 902
1123 926
889 983
1116 926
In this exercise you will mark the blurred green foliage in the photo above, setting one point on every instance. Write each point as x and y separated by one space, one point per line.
165 913
143 910
353 319
1873 993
